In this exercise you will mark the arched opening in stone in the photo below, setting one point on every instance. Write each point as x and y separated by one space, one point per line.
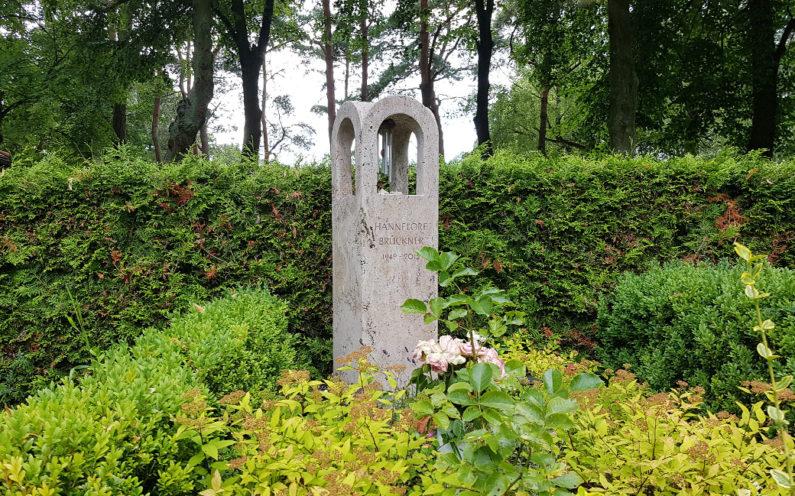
399 138
347 143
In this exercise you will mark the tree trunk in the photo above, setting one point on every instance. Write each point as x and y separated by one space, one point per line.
623 79
205 139
347 73
250 57
266 151
251 111
328 54
119 122
543 122
192 111
485 45
155 127
764 70
426 80
365 48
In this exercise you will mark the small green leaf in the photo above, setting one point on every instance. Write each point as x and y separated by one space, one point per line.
775 414
783 383
751 292
763 350
585 381
458 313
781 478
422 408
515 368
561 405
742 251
480 377
444 279
768 325
456 300
569 480
413 306
436 306
560 421
428 253
429 317
460 397
210 450
451 325
447 259
482 306
441 420
552 380
496 399
530 412
471 413
466 271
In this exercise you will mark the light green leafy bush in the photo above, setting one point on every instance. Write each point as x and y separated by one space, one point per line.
112 433
628 441
684 322
316 438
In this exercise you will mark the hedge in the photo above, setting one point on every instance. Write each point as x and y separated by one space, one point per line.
694 323
134 240
114 431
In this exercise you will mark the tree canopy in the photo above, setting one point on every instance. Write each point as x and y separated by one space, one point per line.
634 76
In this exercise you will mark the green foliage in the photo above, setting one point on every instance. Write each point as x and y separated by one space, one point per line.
134 241
316 438
775 395
557 233
628 442
480 312
497 436
684 322
112 432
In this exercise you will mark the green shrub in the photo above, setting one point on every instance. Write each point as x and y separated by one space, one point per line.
684 322
134 241
113 432
242 342
629 442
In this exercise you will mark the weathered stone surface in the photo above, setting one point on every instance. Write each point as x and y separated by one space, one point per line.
375 234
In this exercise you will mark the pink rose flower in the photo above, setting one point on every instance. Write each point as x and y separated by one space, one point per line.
438 362
489 355
450 345
423 349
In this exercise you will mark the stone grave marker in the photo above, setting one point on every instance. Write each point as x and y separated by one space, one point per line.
375 233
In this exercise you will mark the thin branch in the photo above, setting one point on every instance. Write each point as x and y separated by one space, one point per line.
782 43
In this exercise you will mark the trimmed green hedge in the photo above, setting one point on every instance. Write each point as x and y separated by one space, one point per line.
133 240
693 323
113 433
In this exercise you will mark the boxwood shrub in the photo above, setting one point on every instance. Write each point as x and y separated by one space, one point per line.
682 322
112 431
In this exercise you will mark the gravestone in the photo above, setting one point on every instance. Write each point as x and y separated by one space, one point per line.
375 233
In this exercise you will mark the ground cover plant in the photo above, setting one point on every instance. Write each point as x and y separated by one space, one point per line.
132 240
112 431
145 421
